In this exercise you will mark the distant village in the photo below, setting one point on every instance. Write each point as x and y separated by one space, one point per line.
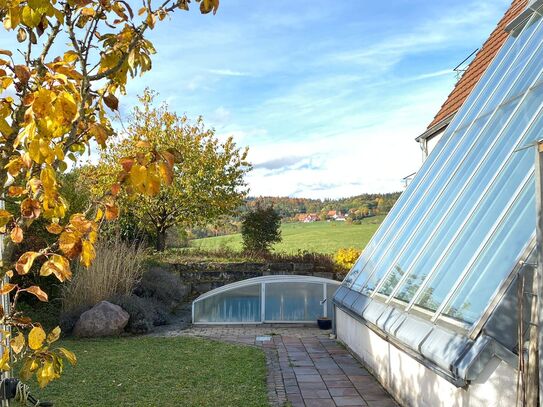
328 216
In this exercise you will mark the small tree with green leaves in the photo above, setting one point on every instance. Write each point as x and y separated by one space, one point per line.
260 229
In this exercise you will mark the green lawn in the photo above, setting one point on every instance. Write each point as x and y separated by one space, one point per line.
160 372
320 237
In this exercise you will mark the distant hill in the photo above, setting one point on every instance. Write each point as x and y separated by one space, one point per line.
364 204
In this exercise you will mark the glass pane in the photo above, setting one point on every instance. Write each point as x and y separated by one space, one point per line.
410 195
445 189
497 259
237 305
487 81
505 144
425 197
293 301
515 72
496 83
483 219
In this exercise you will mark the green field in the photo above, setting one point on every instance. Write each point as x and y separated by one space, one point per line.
320 237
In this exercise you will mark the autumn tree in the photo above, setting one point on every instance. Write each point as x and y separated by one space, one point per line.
207 179
73 60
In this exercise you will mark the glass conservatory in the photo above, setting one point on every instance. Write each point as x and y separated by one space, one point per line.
268 299
439 278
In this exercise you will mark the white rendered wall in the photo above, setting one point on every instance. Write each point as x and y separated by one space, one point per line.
414 385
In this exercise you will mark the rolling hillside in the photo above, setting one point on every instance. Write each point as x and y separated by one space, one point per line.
321 237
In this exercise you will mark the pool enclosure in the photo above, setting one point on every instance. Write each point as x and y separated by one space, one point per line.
438 279
268 299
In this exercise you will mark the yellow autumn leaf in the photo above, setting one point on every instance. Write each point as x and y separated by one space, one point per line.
70 357
57 265
4 362
87 253
29 366
24 264
54 335
17 343
36 337
46 373
5 216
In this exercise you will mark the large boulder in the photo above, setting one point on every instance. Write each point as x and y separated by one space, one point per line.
104 319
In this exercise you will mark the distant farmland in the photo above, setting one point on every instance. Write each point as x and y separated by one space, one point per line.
321 237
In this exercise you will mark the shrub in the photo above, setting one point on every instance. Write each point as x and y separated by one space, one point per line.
260 229
345 258
145 313
115 271
68 318
161 286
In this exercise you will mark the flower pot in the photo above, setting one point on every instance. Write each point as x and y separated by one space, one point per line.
324 323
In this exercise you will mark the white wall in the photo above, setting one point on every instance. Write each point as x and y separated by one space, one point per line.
414 385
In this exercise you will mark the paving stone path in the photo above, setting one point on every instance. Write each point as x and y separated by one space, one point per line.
305 366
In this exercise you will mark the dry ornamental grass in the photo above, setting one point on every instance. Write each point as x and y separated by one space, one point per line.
115 271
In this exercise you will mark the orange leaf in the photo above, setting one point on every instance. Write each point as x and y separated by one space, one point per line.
16 234
115 189
38 292
70 244
54 228
22 73
111 101
30 208
15 191
112 211
7 287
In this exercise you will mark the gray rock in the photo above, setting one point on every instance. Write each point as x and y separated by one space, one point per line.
104 319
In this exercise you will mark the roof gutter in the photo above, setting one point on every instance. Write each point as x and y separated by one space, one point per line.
436 128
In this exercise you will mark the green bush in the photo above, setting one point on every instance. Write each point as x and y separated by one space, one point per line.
260 229
145 313
163 287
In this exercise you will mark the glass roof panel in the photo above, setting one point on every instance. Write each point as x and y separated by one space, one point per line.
439 239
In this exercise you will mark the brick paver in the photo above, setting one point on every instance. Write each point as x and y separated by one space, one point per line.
305 367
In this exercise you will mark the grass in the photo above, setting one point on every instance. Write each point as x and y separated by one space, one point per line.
149 371
319 237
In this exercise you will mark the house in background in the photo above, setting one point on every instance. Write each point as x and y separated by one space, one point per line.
437 305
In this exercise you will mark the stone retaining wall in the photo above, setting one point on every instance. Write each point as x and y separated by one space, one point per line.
203 277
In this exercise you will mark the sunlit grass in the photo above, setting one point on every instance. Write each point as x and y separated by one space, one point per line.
160 372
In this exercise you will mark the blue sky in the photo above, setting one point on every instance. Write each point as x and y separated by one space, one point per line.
329 96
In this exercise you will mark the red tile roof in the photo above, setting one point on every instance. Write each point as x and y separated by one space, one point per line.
479 64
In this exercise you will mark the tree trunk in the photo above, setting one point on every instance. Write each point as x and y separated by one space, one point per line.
160 240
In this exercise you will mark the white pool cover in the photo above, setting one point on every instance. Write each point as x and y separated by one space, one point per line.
269 299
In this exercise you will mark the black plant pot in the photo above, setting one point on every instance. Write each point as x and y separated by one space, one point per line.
324 323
